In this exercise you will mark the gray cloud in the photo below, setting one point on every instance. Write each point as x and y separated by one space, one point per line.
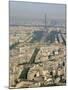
24 11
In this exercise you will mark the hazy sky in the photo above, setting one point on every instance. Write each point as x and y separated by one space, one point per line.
22 11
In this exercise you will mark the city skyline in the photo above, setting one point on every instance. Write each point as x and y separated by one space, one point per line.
26 12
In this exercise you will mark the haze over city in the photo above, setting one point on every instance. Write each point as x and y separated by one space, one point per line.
28 12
